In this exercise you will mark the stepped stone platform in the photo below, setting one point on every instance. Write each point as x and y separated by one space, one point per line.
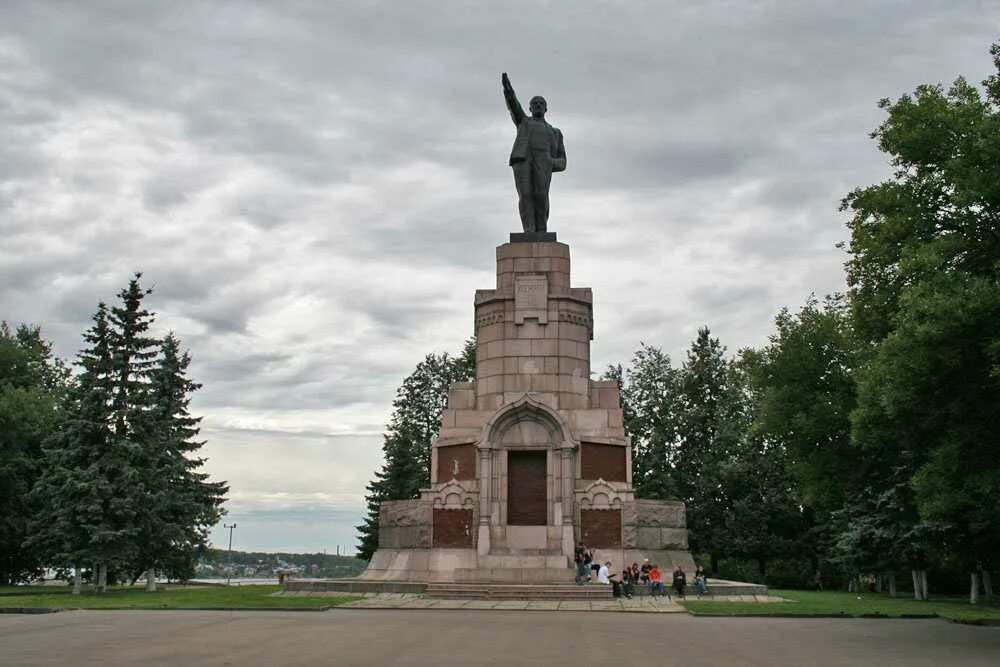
562 589
489 591
531 457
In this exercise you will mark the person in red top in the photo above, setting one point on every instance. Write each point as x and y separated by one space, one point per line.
655 580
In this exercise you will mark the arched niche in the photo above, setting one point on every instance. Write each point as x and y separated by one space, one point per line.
453 495
599 495
526 424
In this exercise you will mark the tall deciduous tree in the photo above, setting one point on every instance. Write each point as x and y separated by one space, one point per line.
924 272
806 391
414 424
761 516
32 384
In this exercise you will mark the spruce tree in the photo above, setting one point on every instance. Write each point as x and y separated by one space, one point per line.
708 434
406 444
649 390
121 488
183 503
71 492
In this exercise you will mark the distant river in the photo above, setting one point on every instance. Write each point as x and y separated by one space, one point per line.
235 581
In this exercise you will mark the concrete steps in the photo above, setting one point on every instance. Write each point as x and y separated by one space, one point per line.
550 585
512 575
494 591
509 551
519 561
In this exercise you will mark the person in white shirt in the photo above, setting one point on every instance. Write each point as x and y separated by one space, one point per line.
602 574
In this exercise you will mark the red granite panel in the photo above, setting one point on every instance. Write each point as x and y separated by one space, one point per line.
453 529
601 528
456 461
605 462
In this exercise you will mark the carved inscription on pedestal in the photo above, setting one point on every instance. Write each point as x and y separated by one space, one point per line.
456 462
601 528
531 298
605 462
453 529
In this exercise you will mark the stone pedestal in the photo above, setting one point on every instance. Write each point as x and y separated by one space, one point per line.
531 456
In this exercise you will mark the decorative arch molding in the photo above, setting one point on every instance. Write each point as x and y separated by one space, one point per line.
536 425
599 495
452 496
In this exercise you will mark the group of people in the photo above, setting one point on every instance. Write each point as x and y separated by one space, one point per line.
648 574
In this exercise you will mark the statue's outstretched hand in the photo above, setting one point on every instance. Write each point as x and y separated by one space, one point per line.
516 112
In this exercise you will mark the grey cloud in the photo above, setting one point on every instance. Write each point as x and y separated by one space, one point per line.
344 166
722 298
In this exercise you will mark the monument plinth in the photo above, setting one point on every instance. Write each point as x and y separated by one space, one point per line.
532 456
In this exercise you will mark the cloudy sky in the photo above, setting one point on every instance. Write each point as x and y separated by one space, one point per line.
315 189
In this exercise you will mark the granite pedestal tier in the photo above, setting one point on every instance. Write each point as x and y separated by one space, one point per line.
532 456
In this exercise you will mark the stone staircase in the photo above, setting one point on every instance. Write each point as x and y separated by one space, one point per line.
505 565
551 585
497 591
509 575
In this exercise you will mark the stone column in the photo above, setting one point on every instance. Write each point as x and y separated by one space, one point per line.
568 475
485 500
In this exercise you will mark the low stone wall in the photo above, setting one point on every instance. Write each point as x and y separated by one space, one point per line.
418 564
352 586
655 525
405 524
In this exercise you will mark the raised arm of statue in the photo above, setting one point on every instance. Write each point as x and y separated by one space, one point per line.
516 112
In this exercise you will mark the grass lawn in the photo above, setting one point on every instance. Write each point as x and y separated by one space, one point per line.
847 604
188 597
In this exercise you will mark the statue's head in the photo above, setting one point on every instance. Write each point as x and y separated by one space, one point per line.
537 106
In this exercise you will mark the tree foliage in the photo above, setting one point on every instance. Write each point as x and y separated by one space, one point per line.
650 391
120 489
924 272
414 424
32 385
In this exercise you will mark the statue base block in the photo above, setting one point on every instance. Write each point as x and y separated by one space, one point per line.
532 237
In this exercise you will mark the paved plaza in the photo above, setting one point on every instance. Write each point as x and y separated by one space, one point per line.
404 601
645 603
463 637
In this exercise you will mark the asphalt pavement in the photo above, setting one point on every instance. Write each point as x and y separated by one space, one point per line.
472 637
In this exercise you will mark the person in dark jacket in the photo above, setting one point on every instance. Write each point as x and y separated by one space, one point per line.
629 579
680 580
580 559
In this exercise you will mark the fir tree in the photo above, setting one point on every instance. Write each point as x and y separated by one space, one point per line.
649 394
71 492
708 433
183 503
414 424
121 489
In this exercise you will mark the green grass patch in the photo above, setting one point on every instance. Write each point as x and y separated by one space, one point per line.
838 603
30 589
187 597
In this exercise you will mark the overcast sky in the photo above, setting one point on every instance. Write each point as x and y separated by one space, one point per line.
315 189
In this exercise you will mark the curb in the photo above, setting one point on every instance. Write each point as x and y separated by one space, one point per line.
809 615
983 622
53 610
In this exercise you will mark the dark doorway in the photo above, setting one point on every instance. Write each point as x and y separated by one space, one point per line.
526 497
